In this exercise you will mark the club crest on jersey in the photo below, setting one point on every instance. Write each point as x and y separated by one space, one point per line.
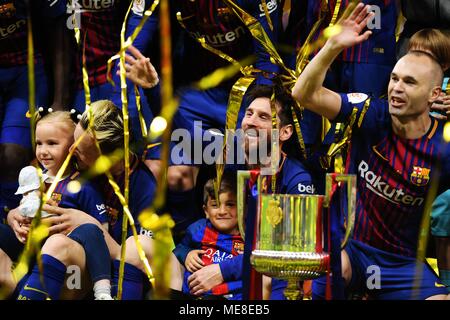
56 197
238 247
420 176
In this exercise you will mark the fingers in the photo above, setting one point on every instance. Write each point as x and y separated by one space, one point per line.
135 52
356 12
365 21
130 60
59 228
53 209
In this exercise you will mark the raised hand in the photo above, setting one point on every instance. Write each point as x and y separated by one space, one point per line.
350 27
140 70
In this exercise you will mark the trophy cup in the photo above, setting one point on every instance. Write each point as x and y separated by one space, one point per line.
290 233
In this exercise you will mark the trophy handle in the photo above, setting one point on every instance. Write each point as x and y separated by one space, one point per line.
332 182
242 177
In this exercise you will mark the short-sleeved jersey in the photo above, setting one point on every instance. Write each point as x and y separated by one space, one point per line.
219 248
292 178
223 30
88 199
394 176
141 193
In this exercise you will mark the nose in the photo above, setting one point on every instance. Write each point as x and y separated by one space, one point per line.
398 86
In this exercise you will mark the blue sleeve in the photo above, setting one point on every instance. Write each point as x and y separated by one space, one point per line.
376 117
91 202
188 243
231 269
142 193
145 37
262 57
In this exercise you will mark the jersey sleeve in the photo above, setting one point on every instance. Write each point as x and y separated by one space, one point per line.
374 117
231 269
188 244
91 201
262 57
145 37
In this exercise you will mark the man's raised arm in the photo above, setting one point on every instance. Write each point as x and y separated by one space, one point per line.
309 90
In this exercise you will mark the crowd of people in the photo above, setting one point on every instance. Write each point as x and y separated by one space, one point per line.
380 70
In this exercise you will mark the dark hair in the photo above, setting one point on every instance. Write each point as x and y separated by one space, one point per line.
227 184
283 98
287 107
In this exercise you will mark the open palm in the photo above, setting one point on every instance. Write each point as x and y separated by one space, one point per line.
350 26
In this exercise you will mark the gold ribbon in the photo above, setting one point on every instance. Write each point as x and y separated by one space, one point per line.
338 147
148 218
126 138
267 14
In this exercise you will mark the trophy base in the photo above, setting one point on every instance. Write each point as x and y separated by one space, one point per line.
290 265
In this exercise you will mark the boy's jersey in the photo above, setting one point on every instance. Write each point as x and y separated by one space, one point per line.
394 176
13 36
88 199
142 189
224 31
219 248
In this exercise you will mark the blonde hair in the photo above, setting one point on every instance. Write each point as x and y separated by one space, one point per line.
107 125
436 41
57 116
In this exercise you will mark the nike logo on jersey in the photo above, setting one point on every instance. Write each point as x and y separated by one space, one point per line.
26 287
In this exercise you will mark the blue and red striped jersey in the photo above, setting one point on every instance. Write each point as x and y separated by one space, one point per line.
223 30
13 36
141 193
220 248
394 176
378 49
88 199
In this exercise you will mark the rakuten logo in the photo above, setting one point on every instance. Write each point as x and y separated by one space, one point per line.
384 190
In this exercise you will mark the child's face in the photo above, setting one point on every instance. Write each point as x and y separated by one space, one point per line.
53 141
223 218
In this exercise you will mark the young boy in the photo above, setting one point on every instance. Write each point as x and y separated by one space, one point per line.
213 247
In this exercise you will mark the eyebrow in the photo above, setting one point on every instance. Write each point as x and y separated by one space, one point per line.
410 78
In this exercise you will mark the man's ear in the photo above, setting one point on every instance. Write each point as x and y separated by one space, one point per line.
286 132
434 94
205 211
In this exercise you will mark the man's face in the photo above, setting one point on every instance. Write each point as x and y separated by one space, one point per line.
257 124
86 151
411 87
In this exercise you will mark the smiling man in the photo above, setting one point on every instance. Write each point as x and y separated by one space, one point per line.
395 150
